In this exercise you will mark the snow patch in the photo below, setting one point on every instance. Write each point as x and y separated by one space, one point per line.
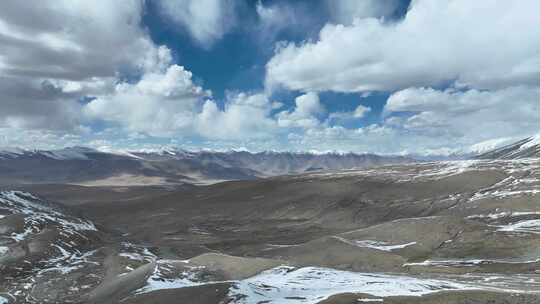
534 141
36 214
468 263
523 226
119 152
494 216
449 168
157 280
379 245
67 262
382 245
504 193
289 285
448 263
136 253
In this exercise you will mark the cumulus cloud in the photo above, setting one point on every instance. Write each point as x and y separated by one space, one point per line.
161 103
58 79
56 52
477 44
166 103
306 113
70 39
244 117
359 112
429 121
206 20
467 117
436 44
35 105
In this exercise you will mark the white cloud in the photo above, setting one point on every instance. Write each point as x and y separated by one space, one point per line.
345 11
274 17
361 111
480 44
71 39
34 105
306 113
278 17
47 66
166 103
37 139
372 138
244 117
55 52
162 103
206 20
467 117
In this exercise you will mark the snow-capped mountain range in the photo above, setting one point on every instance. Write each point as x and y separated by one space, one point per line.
89 166
82 165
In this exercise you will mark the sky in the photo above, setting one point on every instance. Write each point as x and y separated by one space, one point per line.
379 76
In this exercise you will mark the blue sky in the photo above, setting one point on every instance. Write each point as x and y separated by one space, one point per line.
237 61
382 76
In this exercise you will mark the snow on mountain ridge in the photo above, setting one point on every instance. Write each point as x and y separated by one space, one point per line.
532 142
524 148
491 144
79 152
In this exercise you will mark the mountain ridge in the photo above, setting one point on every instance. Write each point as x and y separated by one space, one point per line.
82 165
525 148
16 151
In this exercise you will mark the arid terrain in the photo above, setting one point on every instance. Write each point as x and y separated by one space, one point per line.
434 232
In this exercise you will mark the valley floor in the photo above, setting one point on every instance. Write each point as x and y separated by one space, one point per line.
441 232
